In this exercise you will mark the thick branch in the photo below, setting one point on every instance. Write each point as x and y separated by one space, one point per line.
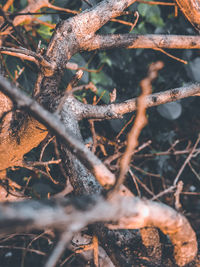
103 175
143 41
72 215
117 110
99 15
71 36
191 10
13 147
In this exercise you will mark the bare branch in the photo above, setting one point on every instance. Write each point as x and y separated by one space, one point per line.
70 37
144 41
139 123
117 110
187 161
22 53
34 6
103 175
191 10
98 15
71 215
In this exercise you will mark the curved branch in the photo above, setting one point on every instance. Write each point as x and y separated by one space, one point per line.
114 111
169 222
74 34
71 215
69 38
98 15
191 10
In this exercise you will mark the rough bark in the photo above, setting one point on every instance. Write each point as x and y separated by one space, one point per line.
191 9
71 36
150 213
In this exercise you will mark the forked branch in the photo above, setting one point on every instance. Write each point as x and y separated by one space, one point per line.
71 215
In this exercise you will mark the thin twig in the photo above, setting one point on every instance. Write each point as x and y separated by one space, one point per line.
141 183
179 189
186 161
169 55
166 191
117 110
43 163
44 146
23 248
59 249
135 182
156 3
139 124
194 171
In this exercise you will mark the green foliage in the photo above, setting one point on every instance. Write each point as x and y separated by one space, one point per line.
105 59
150 14
102 81
101 78
45 32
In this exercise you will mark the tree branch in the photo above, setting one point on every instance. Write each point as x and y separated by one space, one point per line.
143 41
71 215
191 10
117 110
51 121
70 37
